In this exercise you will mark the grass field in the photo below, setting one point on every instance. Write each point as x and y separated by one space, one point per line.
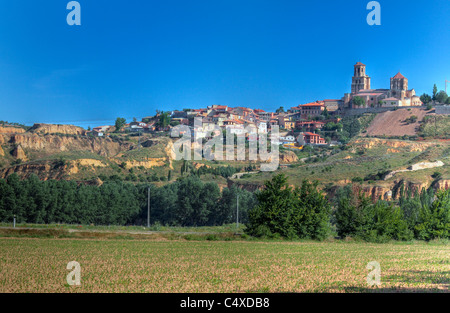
120 265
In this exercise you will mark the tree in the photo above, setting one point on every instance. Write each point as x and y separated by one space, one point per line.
195 201
441 97
280 110
120 121
271 216
358 101
434 220
164 120
292 213
425 98
435 90
357 216
325 113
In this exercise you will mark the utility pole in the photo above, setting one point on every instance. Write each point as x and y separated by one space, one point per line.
148 207
14 221
237 212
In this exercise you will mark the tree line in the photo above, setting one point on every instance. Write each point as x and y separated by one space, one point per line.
423 215
186 202
278 210
305 212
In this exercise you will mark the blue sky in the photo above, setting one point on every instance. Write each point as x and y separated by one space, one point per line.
130 58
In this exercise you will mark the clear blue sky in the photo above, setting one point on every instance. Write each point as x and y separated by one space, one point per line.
130 58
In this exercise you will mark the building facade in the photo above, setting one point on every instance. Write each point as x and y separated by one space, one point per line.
361 88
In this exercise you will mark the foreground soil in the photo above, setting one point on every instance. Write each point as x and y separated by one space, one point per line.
135 265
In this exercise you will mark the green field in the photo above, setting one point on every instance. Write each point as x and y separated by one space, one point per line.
162 265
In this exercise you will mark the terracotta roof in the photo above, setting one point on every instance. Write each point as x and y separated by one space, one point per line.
398 76
311 134
312 104
359 63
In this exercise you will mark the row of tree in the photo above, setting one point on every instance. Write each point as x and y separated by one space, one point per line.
306 213
440 97
186 202
278 210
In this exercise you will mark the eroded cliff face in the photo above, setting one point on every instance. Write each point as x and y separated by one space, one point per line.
288 157
18 153
44 171
11 130
49 144
57 129
369 143
39 147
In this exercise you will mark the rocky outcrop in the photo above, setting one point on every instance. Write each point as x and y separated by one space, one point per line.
11 130
415 167
75 166
44 171
57 129
151 162
252 187
424 165
288 157
54 143
442 184
19 153
369 143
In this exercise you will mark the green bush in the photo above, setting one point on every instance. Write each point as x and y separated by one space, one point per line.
291 213
356 216
434 220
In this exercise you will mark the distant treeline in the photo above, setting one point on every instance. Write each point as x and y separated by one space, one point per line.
186 202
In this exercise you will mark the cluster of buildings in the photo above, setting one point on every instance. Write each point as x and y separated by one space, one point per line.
301 119
397 95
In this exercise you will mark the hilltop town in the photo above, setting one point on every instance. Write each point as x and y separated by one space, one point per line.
368 136
314 123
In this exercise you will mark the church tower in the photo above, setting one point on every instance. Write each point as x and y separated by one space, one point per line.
399 86
360 80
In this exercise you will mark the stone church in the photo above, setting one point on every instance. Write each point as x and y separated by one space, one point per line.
397 95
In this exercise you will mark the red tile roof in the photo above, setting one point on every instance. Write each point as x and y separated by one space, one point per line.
398 76
311 134
312 104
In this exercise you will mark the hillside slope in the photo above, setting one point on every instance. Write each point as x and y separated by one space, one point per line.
394 123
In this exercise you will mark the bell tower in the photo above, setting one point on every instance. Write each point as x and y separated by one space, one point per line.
360 81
